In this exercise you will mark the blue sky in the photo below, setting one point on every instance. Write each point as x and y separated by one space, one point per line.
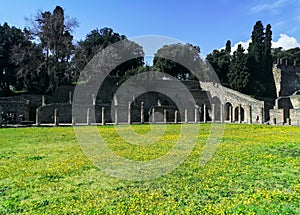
207 24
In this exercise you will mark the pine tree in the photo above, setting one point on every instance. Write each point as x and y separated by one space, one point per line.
238 75
267 76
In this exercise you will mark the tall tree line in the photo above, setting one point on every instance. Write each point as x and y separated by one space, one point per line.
250 72
45 56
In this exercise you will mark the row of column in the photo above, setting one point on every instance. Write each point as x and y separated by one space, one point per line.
197 113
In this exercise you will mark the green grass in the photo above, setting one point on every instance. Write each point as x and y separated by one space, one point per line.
256 170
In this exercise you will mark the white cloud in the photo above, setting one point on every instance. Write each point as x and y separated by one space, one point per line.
245 45
284 41
269 6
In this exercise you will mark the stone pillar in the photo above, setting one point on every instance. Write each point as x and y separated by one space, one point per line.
43 100
239 114
196 115
185 116
230 113
222 113
129 113
213 112
204 114
142 113
88 116
153 115
73 121
250 115
70 97
56 117
37 117
116 115
165 116
262 118
176 116
102 116
94 99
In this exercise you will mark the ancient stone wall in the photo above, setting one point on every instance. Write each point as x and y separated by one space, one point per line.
287 79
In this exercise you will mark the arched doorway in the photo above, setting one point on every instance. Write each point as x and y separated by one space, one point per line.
239 114
228 112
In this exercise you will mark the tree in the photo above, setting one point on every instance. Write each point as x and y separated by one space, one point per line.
30 66
267 74
98 40
9 37
220 61
260 62
291 55
186 54
54 33
238 75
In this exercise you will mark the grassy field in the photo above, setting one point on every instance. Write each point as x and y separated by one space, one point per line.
256 170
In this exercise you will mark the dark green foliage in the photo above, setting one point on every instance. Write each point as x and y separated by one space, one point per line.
260 62
267 75
9 37
171 59
56 41
220 61
291 55
238 75
98 40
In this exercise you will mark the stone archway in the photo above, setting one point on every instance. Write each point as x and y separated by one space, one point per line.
239 114
228 109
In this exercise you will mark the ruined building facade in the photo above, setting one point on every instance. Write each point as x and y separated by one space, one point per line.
212 102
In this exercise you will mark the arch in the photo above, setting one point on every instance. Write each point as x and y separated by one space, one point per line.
228 109
217 111
239 114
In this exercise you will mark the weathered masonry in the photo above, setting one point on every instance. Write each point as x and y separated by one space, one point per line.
212 102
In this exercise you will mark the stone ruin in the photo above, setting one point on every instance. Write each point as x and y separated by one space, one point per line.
213 103
287 105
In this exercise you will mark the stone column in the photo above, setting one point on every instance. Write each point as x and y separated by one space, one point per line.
196 115
37 117
43 100
88 116
142 113
94 99
204 114
176 116
250 115
213 112
230 113
165 116
129 113
102 116
222 113
153 115
185 116
116 115
70 97
262 118
56 117
239 114
73 121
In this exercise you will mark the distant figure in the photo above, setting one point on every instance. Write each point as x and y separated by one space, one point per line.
257 119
